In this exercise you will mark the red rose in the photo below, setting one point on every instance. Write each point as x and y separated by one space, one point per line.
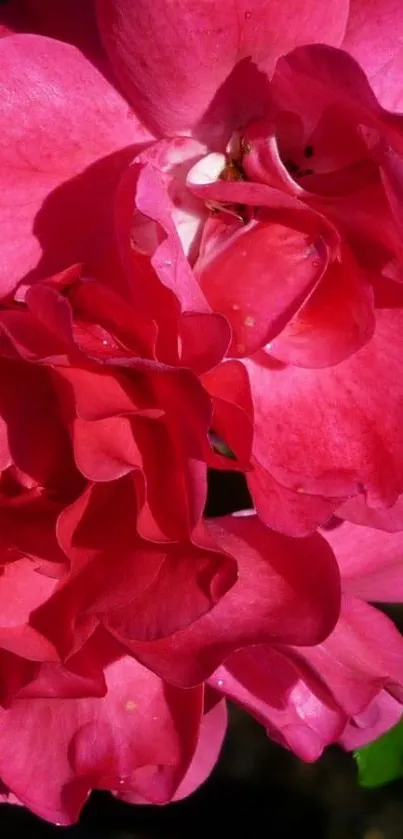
107 566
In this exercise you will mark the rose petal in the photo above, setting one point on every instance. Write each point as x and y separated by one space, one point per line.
212 733
352 439
362 655
298 714
373 36
385 518
335 322
67 20
370 562
106 449
55 208
198 47
22 590
104 743
382 714
278 596
294 513
257 294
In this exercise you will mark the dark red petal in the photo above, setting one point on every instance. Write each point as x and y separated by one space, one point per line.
287 588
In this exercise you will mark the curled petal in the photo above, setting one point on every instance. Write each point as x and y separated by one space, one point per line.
298 713
382 714
360 657
258 293
278 596
335 322
292 512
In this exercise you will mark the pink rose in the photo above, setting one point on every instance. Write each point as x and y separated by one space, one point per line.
216 257
275 203
252 166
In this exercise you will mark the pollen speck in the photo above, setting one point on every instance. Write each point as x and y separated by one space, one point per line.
235 307
249 321
245 147
130 705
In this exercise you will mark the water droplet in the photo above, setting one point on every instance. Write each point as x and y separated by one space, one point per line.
105 343
121 781
248 15
220 683
249 321
235 307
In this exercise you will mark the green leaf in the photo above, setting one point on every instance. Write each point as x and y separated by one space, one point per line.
382 760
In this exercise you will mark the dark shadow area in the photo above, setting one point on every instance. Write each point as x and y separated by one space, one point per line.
76 221
227 493
58 19
243 97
